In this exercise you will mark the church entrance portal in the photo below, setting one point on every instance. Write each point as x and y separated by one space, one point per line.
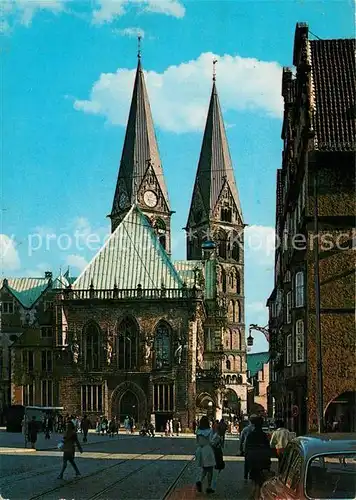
129 400
128 406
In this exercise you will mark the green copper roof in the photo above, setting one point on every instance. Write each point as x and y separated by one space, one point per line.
26 290
255 362
192 271
131 256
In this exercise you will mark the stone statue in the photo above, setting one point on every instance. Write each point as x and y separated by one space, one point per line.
109 353
148 345
178 352
75 351
200 358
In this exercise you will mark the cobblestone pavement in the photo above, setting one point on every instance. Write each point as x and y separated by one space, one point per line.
124 467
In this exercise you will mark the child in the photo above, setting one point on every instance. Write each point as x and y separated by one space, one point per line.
204 454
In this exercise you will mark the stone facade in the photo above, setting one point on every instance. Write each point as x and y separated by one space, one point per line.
315 208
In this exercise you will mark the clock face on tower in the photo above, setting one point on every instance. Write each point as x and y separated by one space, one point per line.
150 199
123 200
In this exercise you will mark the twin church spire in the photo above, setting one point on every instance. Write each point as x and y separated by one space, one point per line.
141 180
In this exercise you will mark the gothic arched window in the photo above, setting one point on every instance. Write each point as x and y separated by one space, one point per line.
92 346
223 280
231 339
127 344
228 364
162 347
222 244
162 240
231 310
238 282
239 313
231 279
235 253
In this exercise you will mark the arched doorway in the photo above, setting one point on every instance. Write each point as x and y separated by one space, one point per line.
128 399
206 405
128 406
340 413
231 404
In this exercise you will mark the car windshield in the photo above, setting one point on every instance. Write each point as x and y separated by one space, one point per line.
332 476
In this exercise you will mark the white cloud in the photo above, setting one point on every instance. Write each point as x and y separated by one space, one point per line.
23 11
76 261
130 32
107 11
9 257
239 85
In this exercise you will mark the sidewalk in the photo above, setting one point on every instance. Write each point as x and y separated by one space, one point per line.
16 440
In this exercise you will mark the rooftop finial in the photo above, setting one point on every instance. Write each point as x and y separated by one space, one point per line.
214 69
139 46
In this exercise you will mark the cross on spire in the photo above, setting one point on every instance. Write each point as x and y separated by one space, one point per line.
214 69
139 46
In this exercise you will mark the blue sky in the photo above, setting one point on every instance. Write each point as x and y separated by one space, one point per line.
67 72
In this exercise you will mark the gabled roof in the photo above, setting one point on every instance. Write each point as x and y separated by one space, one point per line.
215 166
333 94
255 362
26 290
131 256
140 146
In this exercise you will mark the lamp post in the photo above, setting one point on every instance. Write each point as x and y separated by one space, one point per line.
210 409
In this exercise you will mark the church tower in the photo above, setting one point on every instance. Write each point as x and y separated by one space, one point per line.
215 214
140 179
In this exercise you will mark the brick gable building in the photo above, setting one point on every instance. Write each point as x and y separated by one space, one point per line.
315 220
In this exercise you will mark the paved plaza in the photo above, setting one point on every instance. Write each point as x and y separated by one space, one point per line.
125 467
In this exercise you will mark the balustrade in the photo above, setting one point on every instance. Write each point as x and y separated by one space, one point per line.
138 293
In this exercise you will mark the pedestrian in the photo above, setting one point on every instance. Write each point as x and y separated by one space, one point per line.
111 428
47 428
194 426
258 454
127 424
70 441
33 432
131 424
85 428
217 445
171 428
279 440
204 454
222 428
243 436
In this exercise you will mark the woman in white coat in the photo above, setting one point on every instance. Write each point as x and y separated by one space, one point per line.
205 454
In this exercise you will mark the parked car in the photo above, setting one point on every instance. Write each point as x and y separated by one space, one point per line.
315 467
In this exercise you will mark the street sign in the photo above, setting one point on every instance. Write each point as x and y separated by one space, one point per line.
295 411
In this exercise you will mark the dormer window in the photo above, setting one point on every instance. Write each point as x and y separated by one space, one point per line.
226 214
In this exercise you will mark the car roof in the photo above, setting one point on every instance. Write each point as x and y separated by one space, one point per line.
315 444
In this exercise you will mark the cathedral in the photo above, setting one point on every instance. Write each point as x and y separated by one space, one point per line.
137 333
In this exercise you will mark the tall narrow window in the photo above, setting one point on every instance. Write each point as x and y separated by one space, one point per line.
92 343
239 312
228 364
299 341
289 350
299 289
47 393
238 283
28 395
127 344
46 358
92 398
235 252
222 244
289 307
223 280
162 347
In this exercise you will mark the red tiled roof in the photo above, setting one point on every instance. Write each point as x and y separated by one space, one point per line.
333 73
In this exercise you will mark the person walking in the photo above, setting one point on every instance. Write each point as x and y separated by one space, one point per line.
217 445
258 455
221 429
243 436
85 428
204 454
279 440
70 441
32 432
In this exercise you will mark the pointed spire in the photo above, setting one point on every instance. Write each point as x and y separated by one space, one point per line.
140 144
215 167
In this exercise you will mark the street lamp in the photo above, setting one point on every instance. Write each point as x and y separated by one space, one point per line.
250 340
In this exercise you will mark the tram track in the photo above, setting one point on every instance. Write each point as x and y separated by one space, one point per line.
90 475
173 485
13 480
